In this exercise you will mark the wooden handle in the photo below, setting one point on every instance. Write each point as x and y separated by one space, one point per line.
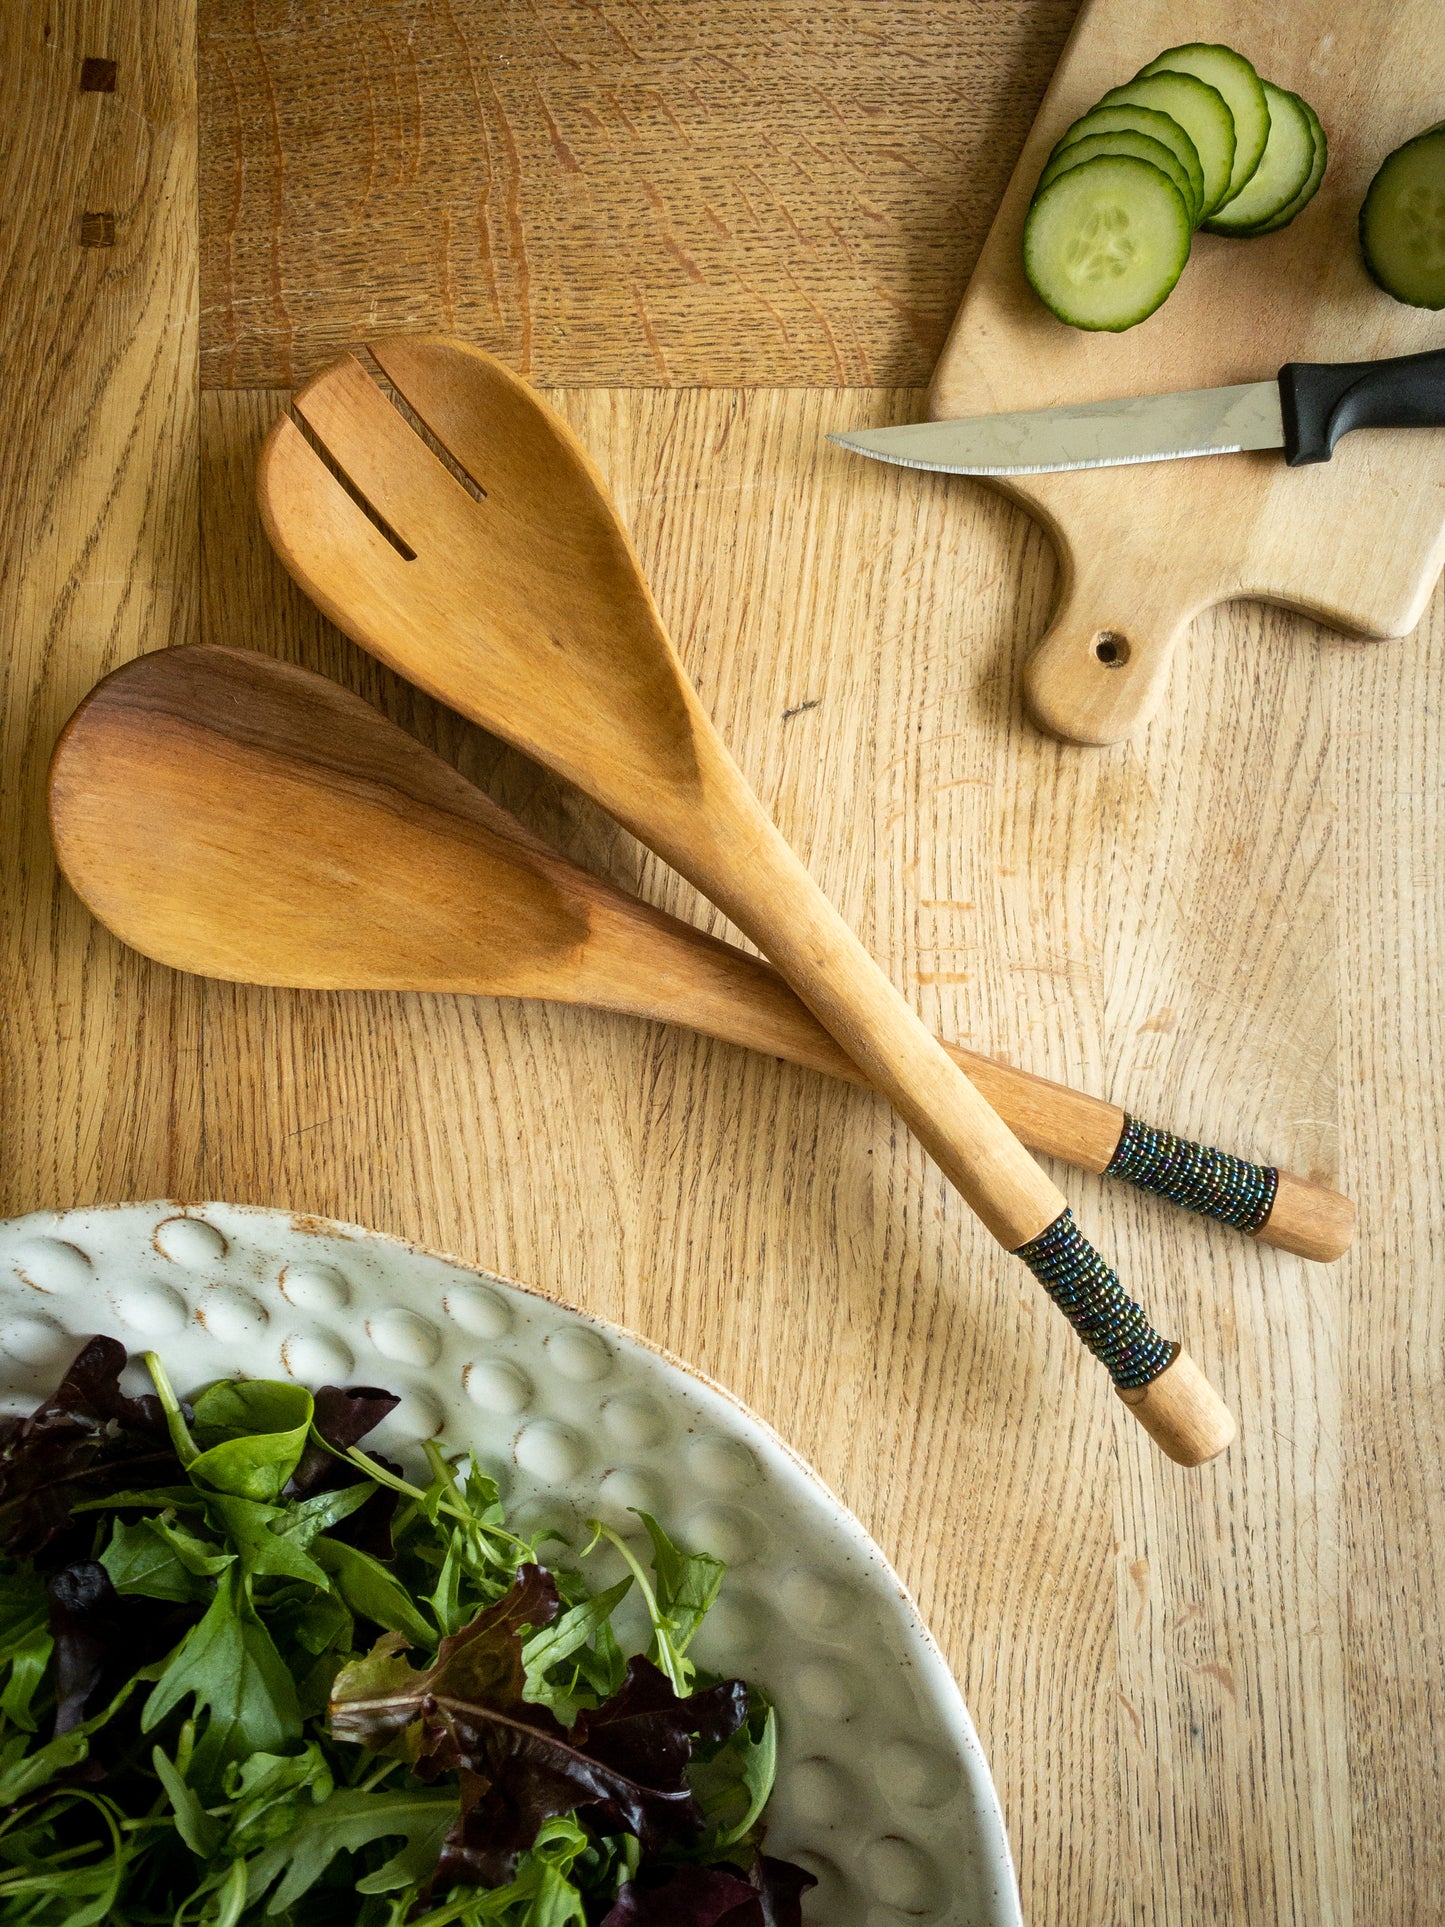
1102 665
757 879
1182 1413
753 875
1309 1219
647 964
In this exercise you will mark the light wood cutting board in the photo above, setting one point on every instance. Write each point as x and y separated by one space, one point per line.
1358 541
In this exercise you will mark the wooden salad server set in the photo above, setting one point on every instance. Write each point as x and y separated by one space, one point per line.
247 819
502 581
471 546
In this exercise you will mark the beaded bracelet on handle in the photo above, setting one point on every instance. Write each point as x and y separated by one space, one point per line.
1195 1176
1087 1291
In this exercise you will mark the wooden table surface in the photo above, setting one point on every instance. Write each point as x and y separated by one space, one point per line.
715 229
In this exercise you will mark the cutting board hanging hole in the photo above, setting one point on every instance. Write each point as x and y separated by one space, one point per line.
1111 648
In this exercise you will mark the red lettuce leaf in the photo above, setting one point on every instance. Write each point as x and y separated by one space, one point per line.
622 1768
343 1418
102 1639
645 1730
781 1885
84 1441
685 1897
722 1896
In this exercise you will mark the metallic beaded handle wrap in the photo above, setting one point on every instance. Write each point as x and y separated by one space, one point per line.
1195 1176
1087 1291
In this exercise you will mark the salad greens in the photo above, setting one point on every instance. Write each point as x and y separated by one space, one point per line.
251 1673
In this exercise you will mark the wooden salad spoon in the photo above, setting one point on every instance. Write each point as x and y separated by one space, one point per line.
243 818
519 601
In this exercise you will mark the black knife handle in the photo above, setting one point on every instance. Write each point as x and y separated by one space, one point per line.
1322 400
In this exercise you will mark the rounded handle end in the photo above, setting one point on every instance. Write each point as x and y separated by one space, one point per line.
1182 1413
1100 667
1308 1219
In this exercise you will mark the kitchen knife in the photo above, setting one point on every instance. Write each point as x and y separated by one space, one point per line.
1304 412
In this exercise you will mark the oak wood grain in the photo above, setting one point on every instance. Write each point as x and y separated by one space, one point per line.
1386 716
1201 1705
1358 540
1232 1687
1161 1670
236 816
720 191
98 555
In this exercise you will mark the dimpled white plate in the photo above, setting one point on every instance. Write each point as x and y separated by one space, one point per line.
883 1790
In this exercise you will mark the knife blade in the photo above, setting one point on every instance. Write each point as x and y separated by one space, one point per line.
1304 411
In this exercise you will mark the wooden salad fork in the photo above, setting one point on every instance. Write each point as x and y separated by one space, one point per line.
520 602
243 818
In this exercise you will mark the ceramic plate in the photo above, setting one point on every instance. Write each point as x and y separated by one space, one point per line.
883 1790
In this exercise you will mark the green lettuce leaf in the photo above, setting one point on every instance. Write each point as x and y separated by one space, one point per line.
253 1433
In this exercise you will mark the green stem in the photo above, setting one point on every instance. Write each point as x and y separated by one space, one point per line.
187 1451
678 1670
374 1780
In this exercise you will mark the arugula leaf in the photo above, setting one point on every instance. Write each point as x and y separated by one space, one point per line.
541 1895
230 1900
553 1644
314 1621
349 1820
371 1592
316 1633
22 1773
27 1659
266 1795
738 1779
25 1641
229 1666
687 1582
686 1585
264 1552
196 1827
86 1890
143 1559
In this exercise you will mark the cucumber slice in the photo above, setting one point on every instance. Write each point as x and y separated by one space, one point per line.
1105 242
1311 186
1289 157
1233 77
1200 110
1142 120
1140 146
1402 223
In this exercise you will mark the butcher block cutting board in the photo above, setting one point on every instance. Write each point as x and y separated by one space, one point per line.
1357 541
